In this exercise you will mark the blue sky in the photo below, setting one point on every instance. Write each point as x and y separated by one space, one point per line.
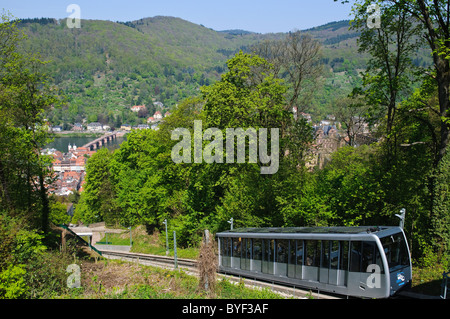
253 15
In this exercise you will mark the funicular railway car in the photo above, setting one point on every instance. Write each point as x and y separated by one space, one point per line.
366 262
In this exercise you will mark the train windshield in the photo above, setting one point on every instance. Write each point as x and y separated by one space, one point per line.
396 251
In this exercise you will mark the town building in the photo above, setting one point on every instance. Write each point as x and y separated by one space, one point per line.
158 104
95 126
138 108
77 127
125 127
68 169
158 116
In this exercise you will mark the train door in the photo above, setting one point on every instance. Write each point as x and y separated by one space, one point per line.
299 259
397 254
324 262
342 272
335 255
334 263
367 259
236 253
291 258
281 257
268 256
295 259
256 255
312 260
225 248
246 254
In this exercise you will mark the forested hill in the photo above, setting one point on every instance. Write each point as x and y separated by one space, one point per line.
105 67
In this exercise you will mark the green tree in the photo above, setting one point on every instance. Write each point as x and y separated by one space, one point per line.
440 219
25 95
295 59
248 95
387 79
97 200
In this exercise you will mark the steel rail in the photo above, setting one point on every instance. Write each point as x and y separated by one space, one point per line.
188 263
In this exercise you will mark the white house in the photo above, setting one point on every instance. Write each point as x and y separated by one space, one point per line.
137 108
158 116
95 126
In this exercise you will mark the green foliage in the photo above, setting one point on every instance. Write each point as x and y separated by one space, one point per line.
58 213
247 96
46 275
148 187
352 187
440 218
28 245
12 283
8 227
25 95
28 269
95 203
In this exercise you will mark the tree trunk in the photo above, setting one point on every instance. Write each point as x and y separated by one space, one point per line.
45 213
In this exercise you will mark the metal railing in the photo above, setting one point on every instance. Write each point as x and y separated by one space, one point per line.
79 238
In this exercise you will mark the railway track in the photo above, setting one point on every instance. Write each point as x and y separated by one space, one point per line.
190 266
147 259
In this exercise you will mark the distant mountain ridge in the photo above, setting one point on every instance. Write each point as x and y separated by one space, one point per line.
106 67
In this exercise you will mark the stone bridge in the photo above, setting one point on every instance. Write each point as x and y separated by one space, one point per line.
101 141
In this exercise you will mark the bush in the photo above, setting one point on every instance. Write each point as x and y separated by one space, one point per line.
12 282
46 275
27 245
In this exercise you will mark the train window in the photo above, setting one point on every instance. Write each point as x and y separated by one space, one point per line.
291 258
282 251
355 256
299 252
222 246
378 260
246 253
396 251
325 259
292 249
225 248
268 256
299 259
368 255
334 254
312 253
344 255
257 249
236 247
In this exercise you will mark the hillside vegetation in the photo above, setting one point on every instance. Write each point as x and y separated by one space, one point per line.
105 67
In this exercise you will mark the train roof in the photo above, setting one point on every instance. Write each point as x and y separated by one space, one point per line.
286 231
